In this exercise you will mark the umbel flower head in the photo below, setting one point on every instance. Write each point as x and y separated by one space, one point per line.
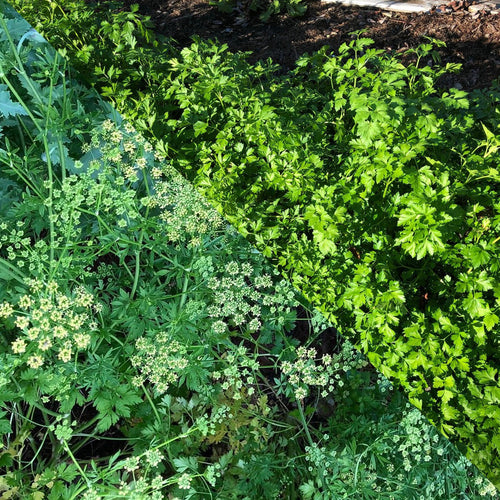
160 359
51 325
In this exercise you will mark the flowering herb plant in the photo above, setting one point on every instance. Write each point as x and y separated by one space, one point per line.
372 189
147 351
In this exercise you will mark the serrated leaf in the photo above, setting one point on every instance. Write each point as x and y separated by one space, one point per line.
474 306
307 489
449 412
4 424
449 382
199 128
462 364
183 464
326 246
486 376
7 106
445 395
16 28
490 320
438 382
492 394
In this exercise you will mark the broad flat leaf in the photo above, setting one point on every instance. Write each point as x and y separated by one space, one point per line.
199 128
307 489
183 464
492 394
449 412
16 27
326 246
462 364
490 320
445 395
474 306
486 376
57 159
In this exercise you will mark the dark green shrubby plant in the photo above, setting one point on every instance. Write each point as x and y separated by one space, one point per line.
181 352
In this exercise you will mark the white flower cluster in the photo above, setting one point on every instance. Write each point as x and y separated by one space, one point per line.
160 359
50 324
238 373
187 215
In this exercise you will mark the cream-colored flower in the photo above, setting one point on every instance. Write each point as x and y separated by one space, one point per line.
63 301
141 162
108 125
33 333
44 344
76 321
18 346
129 128
37 315
6 310
130 173
156 173
35 285
184 482
129 147
65 354
116 136
25 302
45 324
22 322
60 332
45 304
83 298
35 361
82 340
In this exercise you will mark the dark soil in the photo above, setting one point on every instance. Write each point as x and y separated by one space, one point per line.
472 39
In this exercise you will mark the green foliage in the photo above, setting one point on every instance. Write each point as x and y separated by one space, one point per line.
374 192
377 195
186 353
128 60
265 8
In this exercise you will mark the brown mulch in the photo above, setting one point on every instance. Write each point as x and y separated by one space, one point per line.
472 39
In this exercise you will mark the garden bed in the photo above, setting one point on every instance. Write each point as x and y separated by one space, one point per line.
330 170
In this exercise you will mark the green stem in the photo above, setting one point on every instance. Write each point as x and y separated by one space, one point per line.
184 290
155 411
304 424
75 461
50 185
52 439
137 270
103 438
19 172
139 244
28 81
171 440
311 442
88 424
36 449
